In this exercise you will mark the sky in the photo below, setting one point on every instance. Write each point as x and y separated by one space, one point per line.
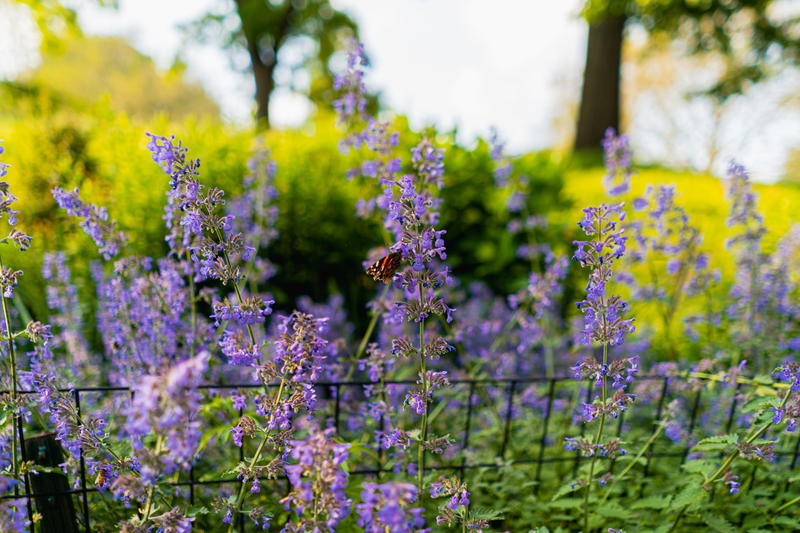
468 64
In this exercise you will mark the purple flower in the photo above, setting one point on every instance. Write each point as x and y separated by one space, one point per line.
603 314
618 159
173 521
20 239
94 221
389 506
318 482
166 405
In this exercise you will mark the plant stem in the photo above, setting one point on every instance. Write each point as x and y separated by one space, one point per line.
787 504
256 456
371 327
193 308
148 506
424 421
639 455
753 436
732 456
14 389
598 436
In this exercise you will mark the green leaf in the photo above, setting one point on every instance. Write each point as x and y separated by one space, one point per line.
764 379
567 503
717 523
760 403
194 511
652 502
788 522
692 496
716 443
699 467
613 510
565 489
484 513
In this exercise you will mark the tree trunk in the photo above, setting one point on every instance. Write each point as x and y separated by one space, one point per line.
262 73
600 96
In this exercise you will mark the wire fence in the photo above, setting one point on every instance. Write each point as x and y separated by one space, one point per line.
493 423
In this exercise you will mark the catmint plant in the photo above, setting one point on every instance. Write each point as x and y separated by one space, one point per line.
670 245
298 354
618 158
412 205
762 310
605 324
11 405
390 507
94 221
318 482
166 406
67 318
255 213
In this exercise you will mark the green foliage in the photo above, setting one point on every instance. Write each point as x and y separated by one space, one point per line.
321 243
111 68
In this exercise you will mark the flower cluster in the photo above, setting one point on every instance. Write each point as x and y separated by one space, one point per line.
790 414
365 130
318 483
167 405
255 213
20 239
616 404
503 166
789 372
622 371
603 314
456 509
81 436
142 317
94 221
196 227
62 298
618 159
352 102
389 506
610 449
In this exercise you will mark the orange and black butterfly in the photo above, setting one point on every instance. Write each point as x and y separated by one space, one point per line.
385 268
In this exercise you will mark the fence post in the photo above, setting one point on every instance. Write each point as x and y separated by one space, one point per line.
84 488
51 489
551 392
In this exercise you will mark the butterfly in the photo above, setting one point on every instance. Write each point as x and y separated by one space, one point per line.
385 268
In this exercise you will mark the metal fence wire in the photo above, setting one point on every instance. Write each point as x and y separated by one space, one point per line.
494 423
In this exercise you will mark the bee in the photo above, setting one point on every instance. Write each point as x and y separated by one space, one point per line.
385 268
100 481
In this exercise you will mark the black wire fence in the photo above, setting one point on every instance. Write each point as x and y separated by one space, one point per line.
493 424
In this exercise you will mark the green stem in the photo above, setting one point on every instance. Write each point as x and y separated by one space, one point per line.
639 455
424 421
14 390
678 519
597 437
370 328
753 436
787 504
255 458
193 308
510 324
148 506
